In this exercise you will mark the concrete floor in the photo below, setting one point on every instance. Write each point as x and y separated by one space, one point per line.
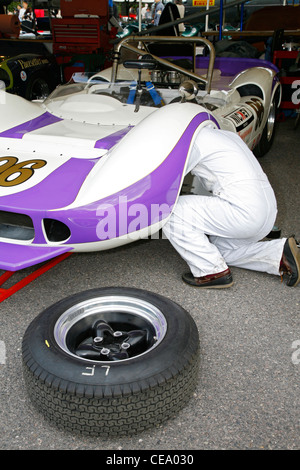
248 391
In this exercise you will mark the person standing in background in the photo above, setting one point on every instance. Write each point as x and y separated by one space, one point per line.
143 11
22 10
158 9
181 10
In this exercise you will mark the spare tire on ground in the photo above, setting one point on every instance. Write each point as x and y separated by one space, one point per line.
111 361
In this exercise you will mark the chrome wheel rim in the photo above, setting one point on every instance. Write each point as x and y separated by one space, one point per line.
110 329
271 122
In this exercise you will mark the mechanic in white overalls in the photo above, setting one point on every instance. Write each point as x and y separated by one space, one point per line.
225 229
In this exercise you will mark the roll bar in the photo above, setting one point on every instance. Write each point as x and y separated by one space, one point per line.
196 41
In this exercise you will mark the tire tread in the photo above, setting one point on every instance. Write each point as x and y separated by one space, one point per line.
111 416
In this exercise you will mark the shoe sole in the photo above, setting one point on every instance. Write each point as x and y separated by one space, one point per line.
203 286
296 254
211 287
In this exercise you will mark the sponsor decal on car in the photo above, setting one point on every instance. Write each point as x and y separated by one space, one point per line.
203 3
25 64
23 75
241 118
257 105
245 135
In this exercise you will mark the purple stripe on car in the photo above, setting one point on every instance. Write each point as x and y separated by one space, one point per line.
230 66
154 194
157 190
15 257
58 189
18 132
112 139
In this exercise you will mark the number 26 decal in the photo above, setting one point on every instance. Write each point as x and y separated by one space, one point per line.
13 173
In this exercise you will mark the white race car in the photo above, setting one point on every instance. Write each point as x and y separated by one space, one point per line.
102 163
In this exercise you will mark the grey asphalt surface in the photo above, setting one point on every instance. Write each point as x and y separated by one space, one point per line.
248 391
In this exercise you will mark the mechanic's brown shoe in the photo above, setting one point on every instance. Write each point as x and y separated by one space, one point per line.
290 262
211 281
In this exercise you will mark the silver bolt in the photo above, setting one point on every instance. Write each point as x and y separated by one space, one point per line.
105 351
98 339
118 333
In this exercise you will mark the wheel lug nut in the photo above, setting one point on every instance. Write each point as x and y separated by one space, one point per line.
105 351
98 339
118 333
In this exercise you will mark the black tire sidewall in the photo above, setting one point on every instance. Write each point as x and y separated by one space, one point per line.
33 79
49 362
265 144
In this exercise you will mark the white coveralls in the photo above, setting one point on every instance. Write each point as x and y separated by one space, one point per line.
213 232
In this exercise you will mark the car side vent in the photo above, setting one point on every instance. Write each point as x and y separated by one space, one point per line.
56 231
15 226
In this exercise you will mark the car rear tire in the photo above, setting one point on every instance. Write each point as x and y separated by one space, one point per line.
38 88
111 361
